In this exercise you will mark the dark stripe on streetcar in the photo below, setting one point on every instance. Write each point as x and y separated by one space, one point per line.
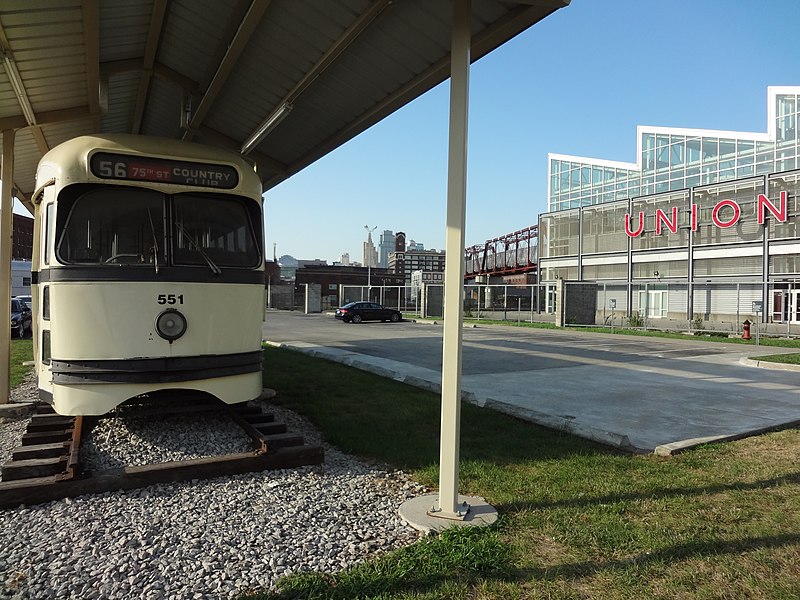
164 275
155 370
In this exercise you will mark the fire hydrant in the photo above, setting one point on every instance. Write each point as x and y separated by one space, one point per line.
746 329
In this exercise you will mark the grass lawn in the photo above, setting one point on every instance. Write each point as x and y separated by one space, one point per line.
788 359
577 520
21 351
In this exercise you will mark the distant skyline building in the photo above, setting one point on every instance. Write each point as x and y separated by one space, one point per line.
387 246
345 260
370 254
405 263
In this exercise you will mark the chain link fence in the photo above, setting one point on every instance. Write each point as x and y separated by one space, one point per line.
700 308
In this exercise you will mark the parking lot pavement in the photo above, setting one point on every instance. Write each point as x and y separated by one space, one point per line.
637 394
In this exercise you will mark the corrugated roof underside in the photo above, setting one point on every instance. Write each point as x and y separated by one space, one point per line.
164 117
122 91
288 43
123 28
51 80
192 34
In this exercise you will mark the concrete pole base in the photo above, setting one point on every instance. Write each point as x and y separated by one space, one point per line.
418 513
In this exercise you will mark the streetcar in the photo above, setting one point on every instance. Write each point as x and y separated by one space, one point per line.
148 273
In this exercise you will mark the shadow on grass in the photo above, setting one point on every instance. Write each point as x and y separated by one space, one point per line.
650 494
460 559
463 555
669 554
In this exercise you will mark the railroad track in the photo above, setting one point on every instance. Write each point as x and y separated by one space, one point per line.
46 466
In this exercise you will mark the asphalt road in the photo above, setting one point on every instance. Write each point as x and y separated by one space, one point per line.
639 394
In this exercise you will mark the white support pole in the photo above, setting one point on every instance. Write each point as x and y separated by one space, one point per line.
454 264
6 235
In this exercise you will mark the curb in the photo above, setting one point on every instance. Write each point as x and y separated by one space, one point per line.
765 364
677 447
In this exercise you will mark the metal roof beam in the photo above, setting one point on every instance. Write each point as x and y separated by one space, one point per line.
237 45
15 79
48 118
543 3
91 41
284 105
266 164
114 67
151 48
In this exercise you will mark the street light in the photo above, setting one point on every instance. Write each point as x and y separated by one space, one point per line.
369 261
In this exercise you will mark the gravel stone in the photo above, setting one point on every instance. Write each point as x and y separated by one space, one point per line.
203 539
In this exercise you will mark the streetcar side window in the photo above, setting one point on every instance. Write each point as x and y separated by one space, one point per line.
114 225
48 231
216 228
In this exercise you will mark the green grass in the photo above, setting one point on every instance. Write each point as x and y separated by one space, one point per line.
577 520
788 359
21 351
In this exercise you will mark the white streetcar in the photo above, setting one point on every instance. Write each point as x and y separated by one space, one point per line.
148 272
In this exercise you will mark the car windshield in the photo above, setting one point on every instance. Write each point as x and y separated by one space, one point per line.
17 306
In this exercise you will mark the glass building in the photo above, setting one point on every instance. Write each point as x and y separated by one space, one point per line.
704 224
670 158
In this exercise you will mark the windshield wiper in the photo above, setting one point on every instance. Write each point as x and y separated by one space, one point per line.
155 241
214 268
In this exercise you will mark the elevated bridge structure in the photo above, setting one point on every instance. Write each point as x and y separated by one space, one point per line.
510 254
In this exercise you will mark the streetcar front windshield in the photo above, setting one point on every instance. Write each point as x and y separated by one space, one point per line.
213 230
114 225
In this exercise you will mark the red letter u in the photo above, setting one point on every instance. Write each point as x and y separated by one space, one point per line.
638 232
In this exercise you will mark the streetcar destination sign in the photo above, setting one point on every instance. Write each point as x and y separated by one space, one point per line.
725 213
130 167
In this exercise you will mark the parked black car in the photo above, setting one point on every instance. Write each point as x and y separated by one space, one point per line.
21 317
355 312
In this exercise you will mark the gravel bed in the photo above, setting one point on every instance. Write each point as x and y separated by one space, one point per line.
120 442
205 539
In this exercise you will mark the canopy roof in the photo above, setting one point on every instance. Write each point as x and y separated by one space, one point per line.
216 71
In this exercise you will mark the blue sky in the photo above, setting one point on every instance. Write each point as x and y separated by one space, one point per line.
577 83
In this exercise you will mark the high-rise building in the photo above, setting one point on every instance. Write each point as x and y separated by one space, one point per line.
387 246
370 254
405 263
345 261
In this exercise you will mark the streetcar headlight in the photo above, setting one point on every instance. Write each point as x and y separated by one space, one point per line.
170 324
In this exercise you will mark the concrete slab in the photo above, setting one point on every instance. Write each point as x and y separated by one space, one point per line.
420 513
636 394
